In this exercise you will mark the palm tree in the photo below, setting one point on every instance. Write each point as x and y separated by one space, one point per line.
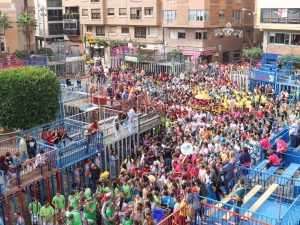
28 23
5 23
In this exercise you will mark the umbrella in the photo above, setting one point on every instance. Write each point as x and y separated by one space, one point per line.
202 96
186 148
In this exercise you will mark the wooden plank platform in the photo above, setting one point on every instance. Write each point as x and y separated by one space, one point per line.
261 200
219 205
248 196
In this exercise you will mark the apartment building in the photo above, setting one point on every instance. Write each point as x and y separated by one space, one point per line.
14 38
128 20
49 15
189 26
280 23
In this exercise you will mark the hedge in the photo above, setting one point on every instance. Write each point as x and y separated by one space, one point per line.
29 97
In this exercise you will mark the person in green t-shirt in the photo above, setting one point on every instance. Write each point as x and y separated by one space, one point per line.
58 201
47 214
87 192
127 192
91 210
127 220
110 211
34 209
238 197
73 200
74 218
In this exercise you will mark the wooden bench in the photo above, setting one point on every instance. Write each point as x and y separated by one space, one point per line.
261 200
248 196
224 200
288 173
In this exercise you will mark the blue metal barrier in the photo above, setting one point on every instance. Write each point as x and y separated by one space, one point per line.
292 215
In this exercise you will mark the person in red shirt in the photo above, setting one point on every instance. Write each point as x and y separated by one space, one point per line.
280 145
273 159
94 127
265 144
50 138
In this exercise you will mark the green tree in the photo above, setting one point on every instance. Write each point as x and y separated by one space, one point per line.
253 53
28 23
29 97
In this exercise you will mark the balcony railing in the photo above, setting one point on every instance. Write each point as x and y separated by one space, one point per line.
71 32
135 17
55 32
54 3
55 18
71 16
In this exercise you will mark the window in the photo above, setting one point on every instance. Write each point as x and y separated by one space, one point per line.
238 1
95 14
111 12
135 13
2 44
198 15
279 38
89 29
200 35
152 31
181 35
122 12
237 55
56 28
295 39
53 3
171 1
95 0
112 30
55 14
148 11
85 12
125 30
100 31
286 16
222 15
236 14
140 32
170 16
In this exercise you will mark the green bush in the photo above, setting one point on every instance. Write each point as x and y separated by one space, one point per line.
29 97
45 51
22 53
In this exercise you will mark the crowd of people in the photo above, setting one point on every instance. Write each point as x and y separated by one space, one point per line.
225 125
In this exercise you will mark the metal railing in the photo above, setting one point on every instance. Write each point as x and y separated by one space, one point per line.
291 216
214 214
26 172
286 189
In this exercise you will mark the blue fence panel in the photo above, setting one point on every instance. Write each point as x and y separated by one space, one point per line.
292 215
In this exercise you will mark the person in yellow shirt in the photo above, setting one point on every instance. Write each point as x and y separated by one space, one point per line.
263 99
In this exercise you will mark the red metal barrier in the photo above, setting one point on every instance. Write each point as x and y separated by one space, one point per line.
216 216
176 218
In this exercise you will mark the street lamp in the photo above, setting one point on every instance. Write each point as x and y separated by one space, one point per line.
43 14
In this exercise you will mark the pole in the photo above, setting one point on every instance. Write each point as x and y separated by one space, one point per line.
43 9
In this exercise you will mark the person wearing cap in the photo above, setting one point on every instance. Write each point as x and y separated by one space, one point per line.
91 209
47 214
58 201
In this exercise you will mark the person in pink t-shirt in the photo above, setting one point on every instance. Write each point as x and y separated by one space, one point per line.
265 143
281 145
273 159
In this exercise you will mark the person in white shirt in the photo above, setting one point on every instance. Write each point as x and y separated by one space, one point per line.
293 132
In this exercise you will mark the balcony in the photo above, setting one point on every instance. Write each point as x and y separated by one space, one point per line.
55 18
69 32
54 3
71 16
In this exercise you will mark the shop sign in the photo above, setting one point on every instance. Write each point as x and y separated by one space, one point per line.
192 49
208 52
131 58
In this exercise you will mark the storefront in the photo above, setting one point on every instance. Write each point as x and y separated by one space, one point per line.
198 55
